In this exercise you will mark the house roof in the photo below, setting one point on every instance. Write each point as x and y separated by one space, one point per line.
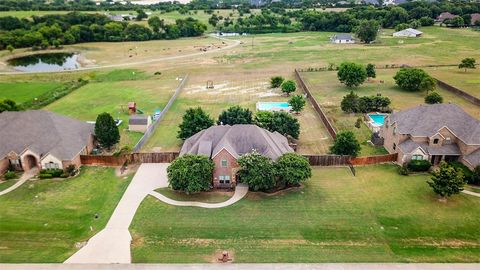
43 133
427 120
409 31
138 120
342 37
446 15
475 17
473 158
237 140
447 149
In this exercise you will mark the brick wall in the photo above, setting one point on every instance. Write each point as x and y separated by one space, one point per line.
229 170
4 165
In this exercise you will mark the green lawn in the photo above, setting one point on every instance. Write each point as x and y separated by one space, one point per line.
111 91
42 221
377 216
25 91
329 92
207 197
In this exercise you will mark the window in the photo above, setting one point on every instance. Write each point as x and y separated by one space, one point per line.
394 146
51 165
224 163
417 157
435 141
15 162
448 140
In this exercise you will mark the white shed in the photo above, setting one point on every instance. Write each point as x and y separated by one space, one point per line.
409 32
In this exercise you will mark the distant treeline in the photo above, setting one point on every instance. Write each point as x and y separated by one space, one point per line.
41 32
410 14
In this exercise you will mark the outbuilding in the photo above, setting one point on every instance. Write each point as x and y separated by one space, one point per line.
139 122
409 32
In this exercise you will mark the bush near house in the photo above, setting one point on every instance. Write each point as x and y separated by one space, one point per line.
52 173
419 165
9 175
447 181
346 144
467 173
292 169
191 173
257 171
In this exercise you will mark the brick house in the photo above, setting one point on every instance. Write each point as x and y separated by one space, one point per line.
433 132
224 144
445 16
42 140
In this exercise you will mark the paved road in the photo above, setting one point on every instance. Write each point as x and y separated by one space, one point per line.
240 191
326 266
112 244
233 44
25 176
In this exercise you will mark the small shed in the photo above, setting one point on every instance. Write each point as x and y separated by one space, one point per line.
342 39
139 123
409 32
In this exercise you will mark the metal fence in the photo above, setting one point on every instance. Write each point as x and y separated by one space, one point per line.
151 129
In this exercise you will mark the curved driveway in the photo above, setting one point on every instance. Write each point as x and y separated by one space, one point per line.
153 60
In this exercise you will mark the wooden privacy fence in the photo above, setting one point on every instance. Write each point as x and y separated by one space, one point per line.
162 157
458 92
373 159
331 130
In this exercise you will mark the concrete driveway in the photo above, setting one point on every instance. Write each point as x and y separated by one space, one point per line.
112 244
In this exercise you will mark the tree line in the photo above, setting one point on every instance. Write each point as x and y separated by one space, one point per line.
55 30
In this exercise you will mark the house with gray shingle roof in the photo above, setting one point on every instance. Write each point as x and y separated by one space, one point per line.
42 139
343 38
433 132
224 144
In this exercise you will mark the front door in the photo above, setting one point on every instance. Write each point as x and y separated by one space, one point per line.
435 160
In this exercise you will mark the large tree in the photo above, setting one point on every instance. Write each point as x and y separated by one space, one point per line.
276 81
194 120
467 63
191 173
281 122
410 79
297 103
288 87
447 180
351 74
367 30
235 115
106 130
257 171
346 144
292 169
371 73
428 84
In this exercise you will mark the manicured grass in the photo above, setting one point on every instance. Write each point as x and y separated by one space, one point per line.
243 89
207 197
329 93
377 216
111 91
42 221
25 91
4 184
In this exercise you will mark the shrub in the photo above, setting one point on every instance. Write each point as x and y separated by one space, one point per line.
71 170
419 165
9 175
52 172
289 87
190 173
352 103
358 123
410 79
403 170
476 176
106 130
467 173
297 103
276 81
447 181
433 98
293 169
281 122
45 176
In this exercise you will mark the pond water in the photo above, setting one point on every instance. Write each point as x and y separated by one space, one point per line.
45 62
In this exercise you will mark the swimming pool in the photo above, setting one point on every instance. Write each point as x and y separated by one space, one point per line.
377 119
273 106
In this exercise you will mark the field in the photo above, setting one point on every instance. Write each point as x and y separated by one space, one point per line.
329 92
244 89
25 91
111 91
44 221
467 81
336 217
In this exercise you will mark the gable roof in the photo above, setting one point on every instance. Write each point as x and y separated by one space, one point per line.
138 120
446 15
409 31
409 146
237 140
43 133
475 17
427 120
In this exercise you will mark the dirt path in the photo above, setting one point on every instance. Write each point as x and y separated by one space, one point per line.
234 44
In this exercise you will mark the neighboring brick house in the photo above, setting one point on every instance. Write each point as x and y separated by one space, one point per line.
445 16
40 139
433 132
475 18
224 144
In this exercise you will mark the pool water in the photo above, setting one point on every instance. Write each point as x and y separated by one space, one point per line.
378 119
271 106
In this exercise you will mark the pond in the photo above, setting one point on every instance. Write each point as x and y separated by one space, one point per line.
45 62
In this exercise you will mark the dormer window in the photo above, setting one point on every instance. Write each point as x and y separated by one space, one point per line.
448 140
435 141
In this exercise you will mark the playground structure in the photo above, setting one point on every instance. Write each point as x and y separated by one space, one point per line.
210 84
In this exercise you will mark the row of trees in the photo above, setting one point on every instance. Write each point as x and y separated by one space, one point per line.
352 103
196 119
71 28
194 173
